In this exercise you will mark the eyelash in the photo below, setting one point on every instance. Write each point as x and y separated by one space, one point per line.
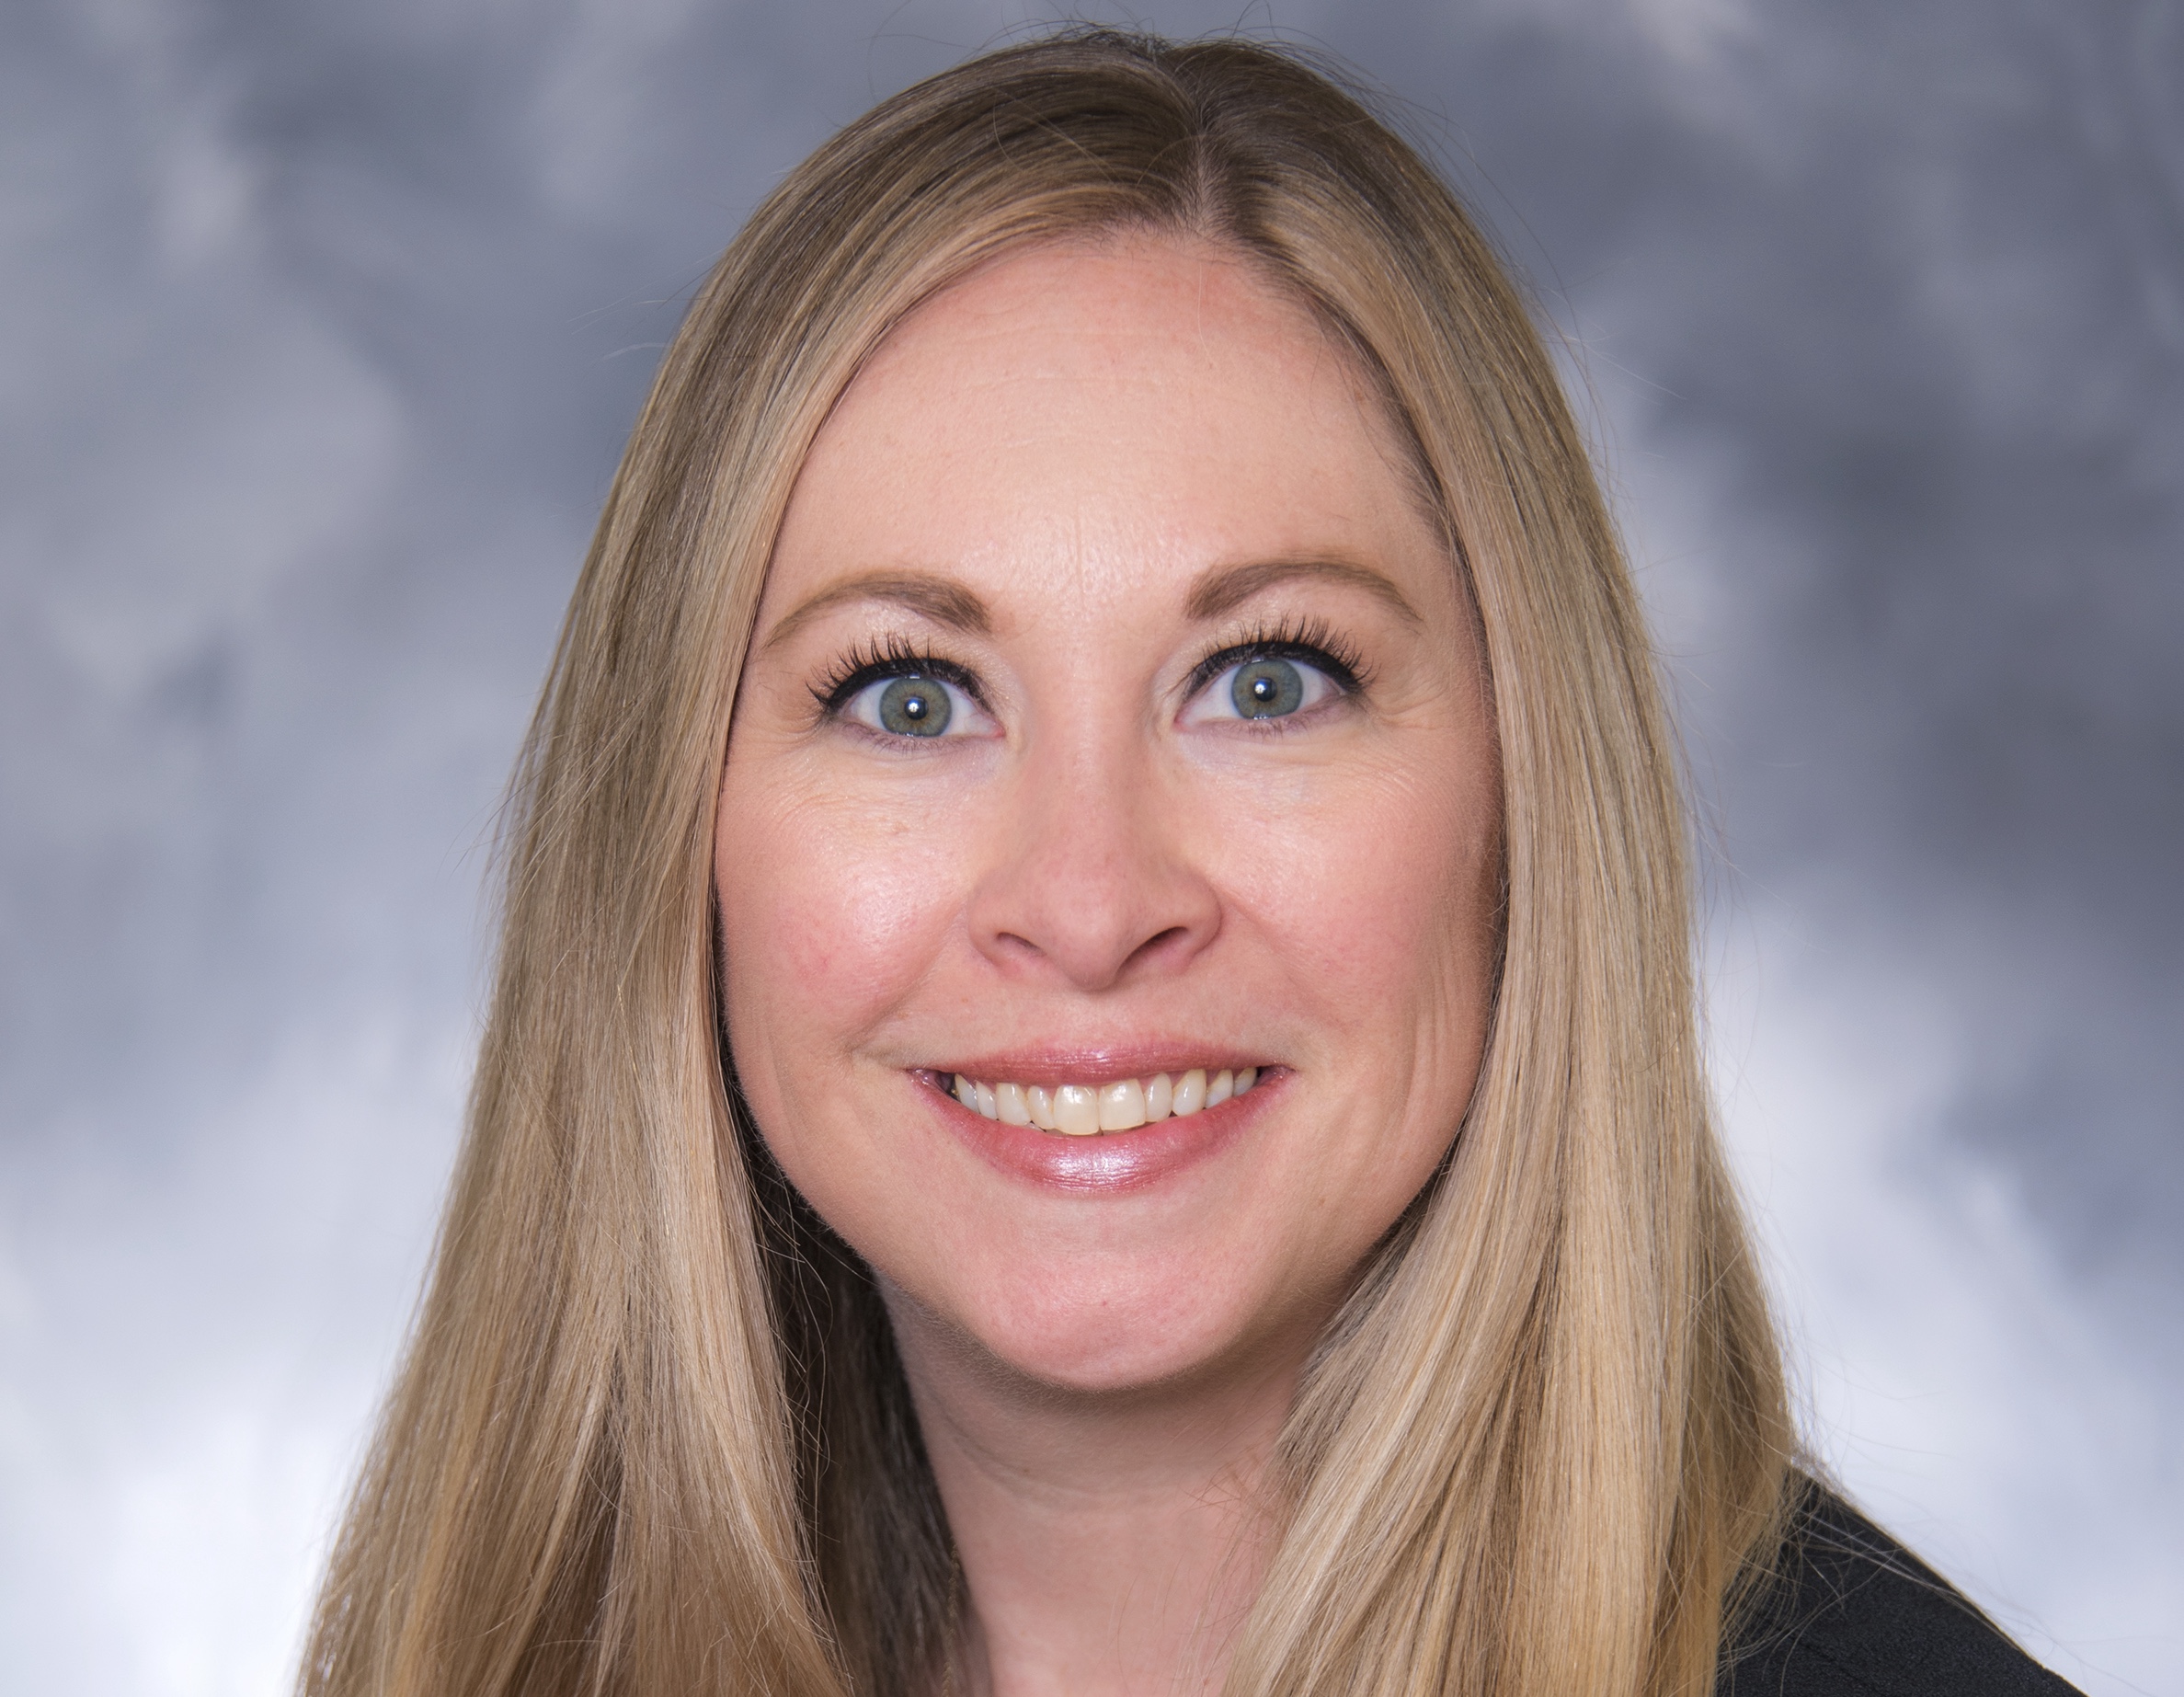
1310 640
891 657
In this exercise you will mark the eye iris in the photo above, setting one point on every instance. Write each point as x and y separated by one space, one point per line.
1267 689
915 707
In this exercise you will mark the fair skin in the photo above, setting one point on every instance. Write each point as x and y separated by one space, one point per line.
1193 772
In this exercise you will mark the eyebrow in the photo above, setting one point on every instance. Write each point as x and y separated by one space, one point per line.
1226 587
933 597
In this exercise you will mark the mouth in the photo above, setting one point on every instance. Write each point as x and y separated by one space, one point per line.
1089 1110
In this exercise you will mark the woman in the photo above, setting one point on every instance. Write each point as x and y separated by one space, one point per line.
1092 1084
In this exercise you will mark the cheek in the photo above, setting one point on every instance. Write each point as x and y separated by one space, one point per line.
831 914
1382 897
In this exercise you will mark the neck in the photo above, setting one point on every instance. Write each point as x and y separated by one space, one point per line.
1111 1542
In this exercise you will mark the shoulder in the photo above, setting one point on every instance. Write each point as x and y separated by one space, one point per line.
1851 1614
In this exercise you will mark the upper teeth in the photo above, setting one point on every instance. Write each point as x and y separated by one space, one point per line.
1080 1110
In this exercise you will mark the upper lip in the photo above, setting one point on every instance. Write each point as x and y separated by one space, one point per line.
1104 1064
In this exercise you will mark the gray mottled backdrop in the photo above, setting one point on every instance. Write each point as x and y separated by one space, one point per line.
320 326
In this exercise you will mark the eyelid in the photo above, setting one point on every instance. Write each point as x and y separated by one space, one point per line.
1312 642
894 656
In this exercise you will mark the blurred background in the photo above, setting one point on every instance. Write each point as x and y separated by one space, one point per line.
320 329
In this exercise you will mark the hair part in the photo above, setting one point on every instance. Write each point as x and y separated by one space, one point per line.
651 1432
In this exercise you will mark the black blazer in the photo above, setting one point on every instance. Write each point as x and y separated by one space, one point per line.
1852 1613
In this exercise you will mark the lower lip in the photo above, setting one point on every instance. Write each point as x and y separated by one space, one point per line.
1110 1161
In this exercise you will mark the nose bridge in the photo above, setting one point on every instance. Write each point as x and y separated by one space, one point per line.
1093 880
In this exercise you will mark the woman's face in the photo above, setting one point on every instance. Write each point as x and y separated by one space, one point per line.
1113 718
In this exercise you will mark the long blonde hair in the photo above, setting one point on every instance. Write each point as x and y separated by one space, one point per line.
651 1435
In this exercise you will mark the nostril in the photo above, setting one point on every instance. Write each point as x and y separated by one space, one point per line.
1090 924
1154 945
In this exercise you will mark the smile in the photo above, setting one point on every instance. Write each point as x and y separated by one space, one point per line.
1086 1110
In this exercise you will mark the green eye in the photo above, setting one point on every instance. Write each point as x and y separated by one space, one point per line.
1269 688
915 707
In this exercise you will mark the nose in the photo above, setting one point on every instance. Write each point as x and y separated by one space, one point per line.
1091 884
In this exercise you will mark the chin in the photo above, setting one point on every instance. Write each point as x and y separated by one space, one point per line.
1108 1331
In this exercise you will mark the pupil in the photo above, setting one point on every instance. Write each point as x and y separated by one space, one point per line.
1267 689
913 708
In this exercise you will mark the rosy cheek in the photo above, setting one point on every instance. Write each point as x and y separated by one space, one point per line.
835 920
1372 895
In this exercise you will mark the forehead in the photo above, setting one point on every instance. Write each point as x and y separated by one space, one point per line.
1135 406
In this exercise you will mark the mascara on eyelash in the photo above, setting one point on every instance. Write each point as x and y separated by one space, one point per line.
865 666
1311 641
